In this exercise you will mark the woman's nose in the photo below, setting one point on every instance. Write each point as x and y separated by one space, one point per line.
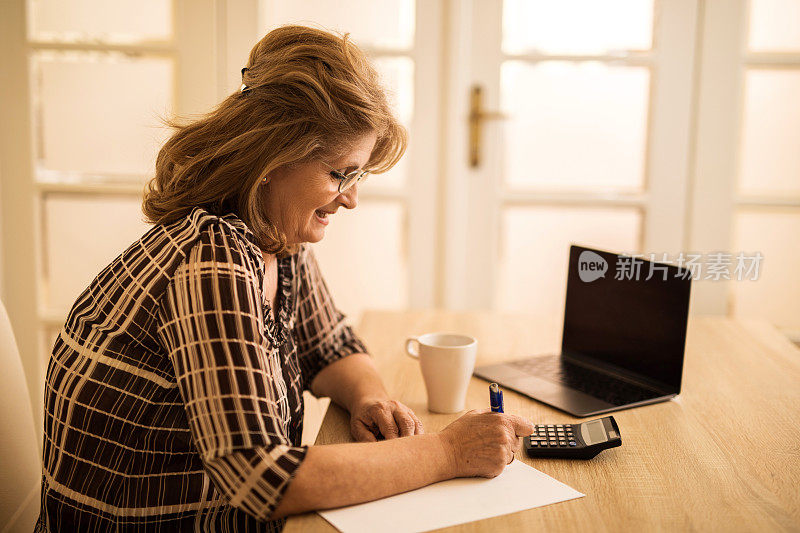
349 198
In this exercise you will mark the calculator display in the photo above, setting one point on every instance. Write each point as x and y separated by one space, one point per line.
596 432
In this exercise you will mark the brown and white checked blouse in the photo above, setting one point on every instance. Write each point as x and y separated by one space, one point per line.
173 399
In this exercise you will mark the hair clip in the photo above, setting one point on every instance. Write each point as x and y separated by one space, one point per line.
244 87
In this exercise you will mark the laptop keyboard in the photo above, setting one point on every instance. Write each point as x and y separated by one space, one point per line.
613 391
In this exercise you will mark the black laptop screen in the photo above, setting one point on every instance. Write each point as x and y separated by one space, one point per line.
618 316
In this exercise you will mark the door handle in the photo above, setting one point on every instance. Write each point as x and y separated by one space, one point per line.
477 116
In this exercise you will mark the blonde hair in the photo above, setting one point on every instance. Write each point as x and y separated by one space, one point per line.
310 94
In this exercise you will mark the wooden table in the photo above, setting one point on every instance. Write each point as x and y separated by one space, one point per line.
724 455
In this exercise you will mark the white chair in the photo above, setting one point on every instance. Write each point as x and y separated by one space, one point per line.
20 458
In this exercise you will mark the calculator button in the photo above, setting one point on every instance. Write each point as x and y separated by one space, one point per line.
573 443
534 444
549 425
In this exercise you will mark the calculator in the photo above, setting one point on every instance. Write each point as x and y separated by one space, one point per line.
573 441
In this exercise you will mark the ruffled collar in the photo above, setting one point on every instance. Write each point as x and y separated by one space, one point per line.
281 331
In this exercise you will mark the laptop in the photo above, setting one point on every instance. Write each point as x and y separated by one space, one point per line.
623 340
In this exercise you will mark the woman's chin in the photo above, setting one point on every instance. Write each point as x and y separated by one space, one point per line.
315 235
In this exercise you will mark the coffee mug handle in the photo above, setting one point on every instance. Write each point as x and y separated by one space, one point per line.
415 352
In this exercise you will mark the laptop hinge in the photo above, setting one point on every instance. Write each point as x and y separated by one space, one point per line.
619 373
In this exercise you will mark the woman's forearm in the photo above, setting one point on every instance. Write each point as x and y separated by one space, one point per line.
349 380
344 474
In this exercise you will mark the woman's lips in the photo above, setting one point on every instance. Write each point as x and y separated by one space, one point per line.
322 219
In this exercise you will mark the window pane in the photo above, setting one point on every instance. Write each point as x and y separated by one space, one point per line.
774 25
100 113
120 21
398 78
82 236
532 271
371 23
577 26
574 126
347 256
775 294
770 160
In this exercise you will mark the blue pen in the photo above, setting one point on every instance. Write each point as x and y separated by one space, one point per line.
495 398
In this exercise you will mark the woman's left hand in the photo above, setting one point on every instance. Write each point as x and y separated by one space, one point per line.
372 419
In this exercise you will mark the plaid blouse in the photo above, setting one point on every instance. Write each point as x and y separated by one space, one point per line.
173 398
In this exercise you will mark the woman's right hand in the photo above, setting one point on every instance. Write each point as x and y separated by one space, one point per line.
481 443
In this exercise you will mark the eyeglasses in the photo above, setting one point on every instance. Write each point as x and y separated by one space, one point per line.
347 180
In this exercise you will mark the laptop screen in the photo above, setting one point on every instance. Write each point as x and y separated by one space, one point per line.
615 315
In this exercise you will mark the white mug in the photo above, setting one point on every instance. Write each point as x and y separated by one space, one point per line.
447 361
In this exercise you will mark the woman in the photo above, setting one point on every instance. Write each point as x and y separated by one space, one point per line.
174 391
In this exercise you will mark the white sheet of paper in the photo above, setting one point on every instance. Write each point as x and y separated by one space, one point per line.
452 502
